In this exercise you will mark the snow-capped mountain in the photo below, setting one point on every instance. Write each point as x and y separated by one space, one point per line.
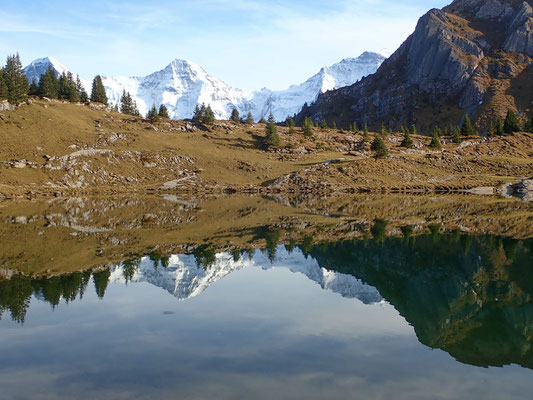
184 279
38 67
182 84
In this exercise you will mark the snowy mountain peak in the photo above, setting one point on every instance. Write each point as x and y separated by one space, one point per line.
183 84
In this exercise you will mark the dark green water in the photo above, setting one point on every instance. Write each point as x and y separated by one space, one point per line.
439 316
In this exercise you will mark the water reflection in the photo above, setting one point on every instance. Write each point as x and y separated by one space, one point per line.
470 296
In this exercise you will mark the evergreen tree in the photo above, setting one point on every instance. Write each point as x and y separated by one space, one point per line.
49 84
467 129
334 125
511 124
262 120
249 118
383 130
163 111
492 129
498 127
324 124
271 137
379 147
407 141
197 117
3 85
33 91
128 105
208 116
235 116
414 130
528 126
308 127
15 80
153 115
435 142
98 94
438 131
63 86
289 122
366 136
456 136
101 280
355 128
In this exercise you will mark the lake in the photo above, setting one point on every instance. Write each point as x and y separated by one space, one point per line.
245 297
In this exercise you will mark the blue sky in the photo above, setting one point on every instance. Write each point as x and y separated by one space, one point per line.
248 44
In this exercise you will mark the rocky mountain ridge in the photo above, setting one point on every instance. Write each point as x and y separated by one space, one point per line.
473 56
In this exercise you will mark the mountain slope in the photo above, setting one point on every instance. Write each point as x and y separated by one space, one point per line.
474 57
182 85
38 67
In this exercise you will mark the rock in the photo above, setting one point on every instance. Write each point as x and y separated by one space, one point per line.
6 106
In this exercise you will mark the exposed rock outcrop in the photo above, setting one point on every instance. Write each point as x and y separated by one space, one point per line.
474 56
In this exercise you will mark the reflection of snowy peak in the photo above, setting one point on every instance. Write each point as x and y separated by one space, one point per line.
182 84
184 279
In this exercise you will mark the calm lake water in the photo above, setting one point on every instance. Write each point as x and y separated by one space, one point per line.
442 314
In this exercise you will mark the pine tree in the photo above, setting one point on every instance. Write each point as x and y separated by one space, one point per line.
335 125
492 129
249 118
163 111
235 116
3 86
49 84
289 122
197 117
15 80
271 119
467 129
63 86
128 105
208 116
308 127
34 88
435 142
379 147
511 124
456 135
528 126
407 141
413 130
324 124
98 94
498 127
366 136
262 120
152 115
271 137
383 130
438 131
355 128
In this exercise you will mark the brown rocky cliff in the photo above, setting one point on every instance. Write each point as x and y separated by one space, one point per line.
473 56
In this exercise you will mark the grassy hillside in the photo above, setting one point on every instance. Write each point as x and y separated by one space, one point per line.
66 149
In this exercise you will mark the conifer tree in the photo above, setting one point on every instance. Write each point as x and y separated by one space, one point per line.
407 141
153 115
3 86
528 126
324 124
289 122
98 93
435 142
511 124
249 118
49 84
335 125
271 137
467 129
492 129
498 127
262 120
15 80
34 89
413 130
308 127
235 116
379 147
208 117
438 131
163 111
366 136
197 117
456 136
355 128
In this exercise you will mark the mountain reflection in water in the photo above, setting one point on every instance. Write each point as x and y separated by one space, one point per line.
470 296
